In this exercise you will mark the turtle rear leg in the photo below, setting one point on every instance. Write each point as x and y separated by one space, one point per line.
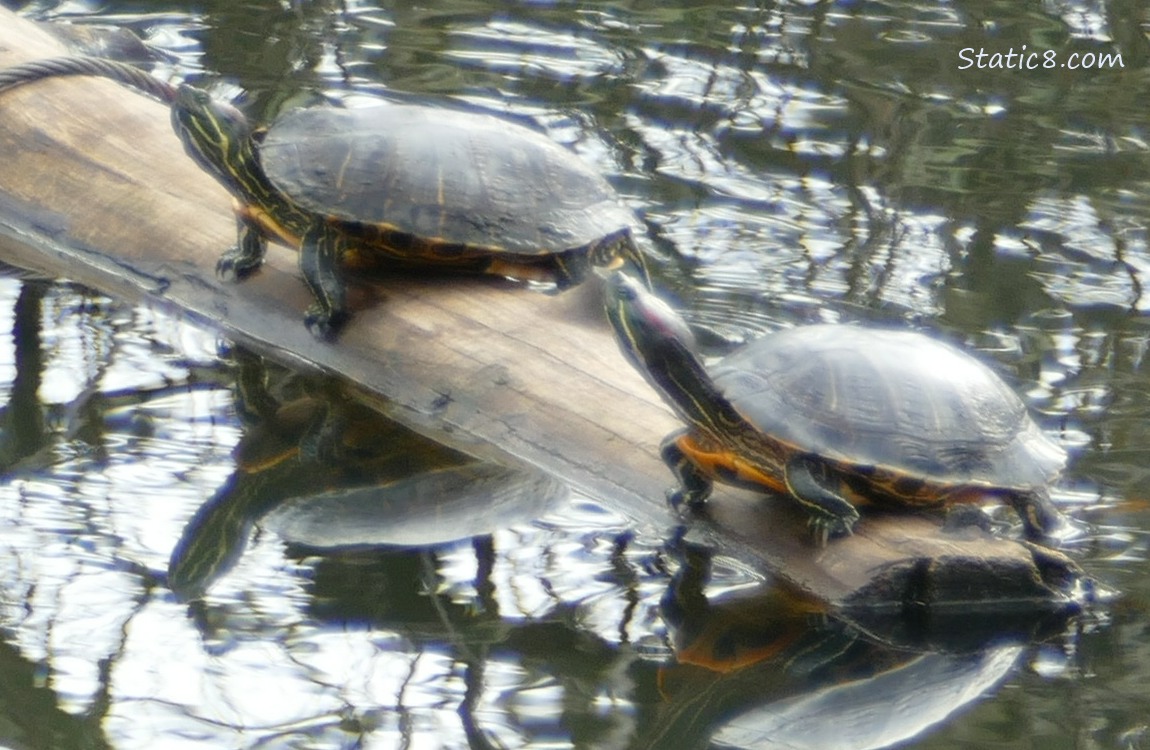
1040 519
571 268
809 481
694 486
321 248
248 253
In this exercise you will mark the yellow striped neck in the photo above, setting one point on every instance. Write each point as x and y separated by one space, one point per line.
660 345
218 138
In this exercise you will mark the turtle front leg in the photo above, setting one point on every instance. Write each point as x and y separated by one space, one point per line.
694 486
809 482
321 248
248 253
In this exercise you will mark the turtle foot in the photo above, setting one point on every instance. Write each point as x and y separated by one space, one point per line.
683 501
825 527
324 325
235 265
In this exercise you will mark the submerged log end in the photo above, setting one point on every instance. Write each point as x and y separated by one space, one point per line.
896 562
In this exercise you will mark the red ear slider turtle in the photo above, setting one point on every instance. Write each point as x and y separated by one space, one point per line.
396 185
411 186
838 416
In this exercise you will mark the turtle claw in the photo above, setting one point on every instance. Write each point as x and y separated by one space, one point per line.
324 324
825 527
820 531
226 267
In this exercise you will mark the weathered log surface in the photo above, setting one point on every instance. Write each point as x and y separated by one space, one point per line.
94 186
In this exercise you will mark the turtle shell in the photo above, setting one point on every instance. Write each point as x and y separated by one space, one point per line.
429 509
894 400
450 177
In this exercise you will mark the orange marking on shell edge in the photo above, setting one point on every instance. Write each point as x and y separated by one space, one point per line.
705 653
731 642
520 271
722 464
706 658
266 222
251 465
964 495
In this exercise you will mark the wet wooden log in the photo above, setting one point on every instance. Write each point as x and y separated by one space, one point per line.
94 186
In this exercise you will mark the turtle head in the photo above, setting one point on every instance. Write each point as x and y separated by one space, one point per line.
215 134
648 330
658 342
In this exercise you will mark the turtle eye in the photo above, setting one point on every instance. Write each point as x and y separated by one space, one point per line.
229 114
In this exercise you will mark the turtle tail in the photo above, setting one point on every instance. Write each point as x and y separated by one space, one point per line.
52 67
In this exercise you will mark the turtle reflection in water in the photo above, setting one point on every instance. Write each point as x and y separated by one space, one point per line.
374 188
329 473
767 667
838 416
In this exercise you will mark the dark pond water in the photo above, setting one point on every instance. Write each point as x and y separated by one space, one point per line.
793 162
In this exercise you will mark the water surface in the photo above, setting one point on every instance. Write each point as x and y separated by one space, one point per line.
792 162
